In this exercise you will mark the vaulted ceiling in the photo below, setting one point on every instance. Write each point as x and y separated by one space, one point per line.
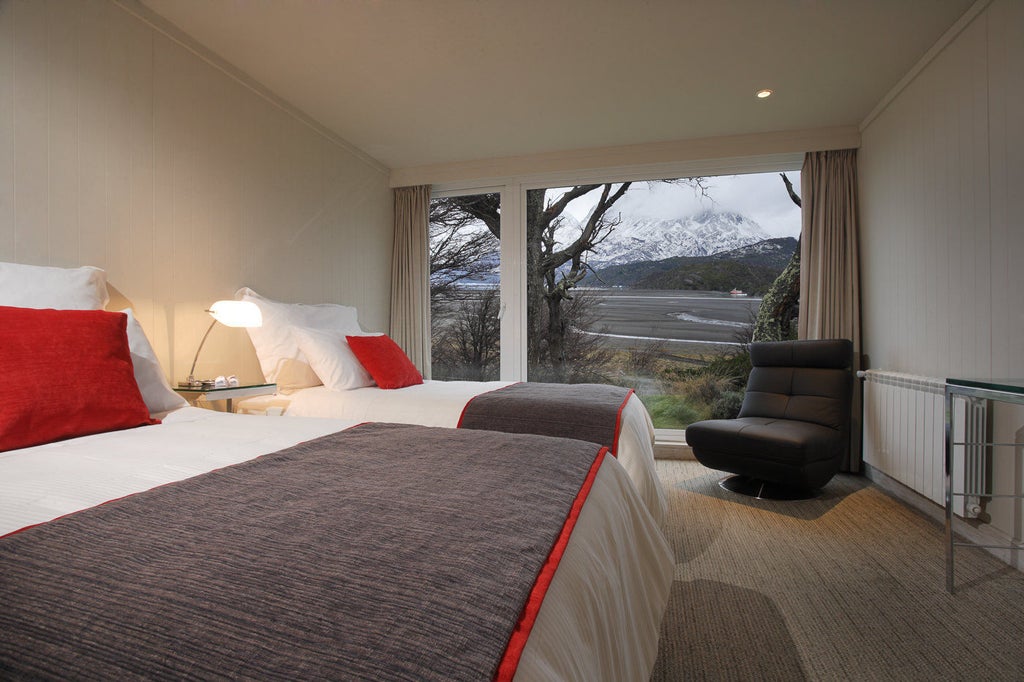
414 82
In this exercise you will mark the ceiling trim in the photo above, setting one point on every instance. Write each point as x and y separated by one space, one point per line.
642 159
941 44
162 25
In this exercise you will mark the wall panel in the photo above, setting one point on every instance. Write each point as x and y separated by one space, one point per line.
943 228
124 148
927 231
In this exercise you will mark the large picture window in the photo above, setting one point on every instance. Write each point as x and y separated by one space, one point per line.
655 285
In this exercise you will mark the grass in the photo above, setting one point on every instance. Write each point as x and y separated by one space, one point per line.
670 411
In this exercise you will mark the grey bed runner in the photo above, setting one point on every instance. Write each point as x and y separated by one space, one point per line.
385 552
589 412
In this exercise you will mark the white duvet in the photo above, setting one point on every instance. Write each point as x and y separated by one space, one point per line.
440 403
599 621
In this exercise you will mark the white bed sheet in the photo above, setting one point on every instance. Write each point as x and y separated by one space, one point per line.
440 403
616 551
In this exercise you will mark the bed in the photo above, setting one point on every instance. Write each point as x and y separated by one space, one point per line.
582 632
441 403
143 538
306 350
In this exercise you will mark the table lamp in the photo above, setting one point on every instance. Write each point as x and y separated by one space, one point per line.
229 314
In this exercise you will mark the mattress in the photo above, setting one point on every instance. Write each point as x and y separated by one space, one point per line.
599 620
440 403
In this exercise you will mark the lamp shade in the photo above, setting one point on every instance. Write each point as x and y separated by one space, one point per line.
237 313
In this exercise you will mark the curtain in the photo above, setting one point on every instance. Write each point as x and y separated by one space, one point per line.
830 263
410 276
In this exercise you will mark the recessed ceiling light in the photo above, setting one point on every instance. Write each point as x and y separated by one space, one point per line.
763 93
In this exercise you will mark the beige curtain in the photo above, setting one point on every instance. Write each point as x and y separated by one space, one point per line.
410 276
830 262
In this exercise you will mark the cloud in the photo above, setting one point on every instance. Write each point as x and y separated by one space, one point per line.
760 196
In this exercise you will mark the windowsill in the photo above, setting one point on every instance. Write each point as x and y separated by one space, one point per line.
671 444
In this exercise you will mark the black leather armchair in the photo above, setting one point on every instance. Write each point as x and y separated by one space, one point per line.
793 430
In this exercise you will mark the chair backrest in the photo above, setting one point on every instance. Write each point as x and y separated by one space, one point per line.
810 381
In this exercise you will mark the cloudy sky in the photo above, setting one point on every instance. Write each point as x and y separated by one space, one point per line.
760 196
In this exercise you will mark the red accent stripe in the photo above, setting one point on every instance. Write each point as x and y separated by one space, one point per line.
618 424
517 642
466 406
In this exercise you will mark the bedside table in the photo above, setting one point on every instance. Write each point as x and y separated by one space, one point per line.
194 395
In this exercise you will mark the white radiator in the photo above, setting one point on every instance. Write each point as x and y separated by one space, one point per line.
904 429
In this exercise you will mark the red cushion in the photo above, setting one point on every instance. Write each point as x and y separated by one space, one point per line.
389 366
65 373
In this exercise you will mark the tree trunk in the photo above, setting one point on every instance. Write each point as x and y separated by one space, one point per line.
780 305
534 276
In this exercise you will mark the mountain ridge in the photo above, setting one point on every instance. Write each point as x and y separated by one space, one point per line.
751 268
648 239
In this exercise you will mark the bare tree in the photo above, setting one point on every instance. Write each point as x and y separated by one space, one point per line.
459 248
468 347
548 282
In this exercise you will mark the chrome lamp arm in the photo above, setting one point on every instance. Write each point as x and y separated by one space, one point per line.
191 373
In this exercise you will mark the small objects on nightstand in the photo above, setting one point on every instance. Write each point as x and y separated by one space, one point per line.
207 391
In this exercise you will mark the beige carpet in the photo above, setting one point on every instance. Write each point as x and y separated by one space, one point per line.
850 586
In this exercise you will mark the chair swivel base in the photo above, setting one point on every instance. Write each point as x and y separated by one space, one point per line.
766 490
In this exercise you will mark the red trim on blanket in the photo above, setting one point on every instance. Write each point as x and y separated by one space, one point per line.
466 406
517 642
618 424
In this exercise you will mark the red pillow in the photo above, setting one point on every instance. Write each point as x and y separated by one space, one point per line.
66 373
389 366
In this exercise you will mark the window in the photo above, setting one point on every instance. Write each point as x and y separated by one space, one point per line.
465 283
654 285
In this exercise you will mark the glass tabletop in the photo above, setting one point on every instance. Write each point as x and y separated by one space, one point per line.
211 389
1005 385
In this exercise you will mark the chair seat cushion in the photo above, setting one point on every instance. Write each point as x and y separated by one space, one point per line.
782 441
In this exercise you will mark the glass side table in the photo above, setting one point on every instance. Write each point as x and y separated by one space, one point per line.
1002 390
227 394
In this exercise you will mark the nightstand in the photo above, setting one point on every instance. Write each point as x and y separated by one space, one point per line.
194 395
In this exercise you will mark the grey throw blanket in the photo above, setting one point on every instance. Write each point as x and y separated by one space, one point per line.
589 412
385 552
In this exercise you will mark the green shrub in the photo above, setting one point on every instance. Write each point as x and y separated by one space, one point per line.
727 406
735 368
671 411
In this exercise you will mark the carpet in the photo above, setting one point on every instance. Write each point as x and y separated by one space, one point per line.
849 586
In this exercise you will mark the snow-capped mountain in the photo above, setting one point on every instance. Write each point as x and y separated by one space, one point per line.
645 239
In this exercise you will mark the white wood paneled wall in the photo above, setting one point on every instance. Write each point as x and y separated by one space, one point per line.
942 243
121 147
941 169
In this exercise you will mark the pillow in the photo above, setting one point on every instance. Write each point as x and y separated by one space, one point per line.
149 375
67 373
39 286
388 364
331 358
275 345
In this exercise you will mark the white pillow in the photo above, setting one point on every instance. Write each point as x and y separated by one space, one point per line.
331 358
40 286
275 345
156 392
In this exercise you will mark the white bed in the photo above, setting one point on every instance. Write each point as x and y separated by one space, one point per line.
440 403
300 346
577 636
